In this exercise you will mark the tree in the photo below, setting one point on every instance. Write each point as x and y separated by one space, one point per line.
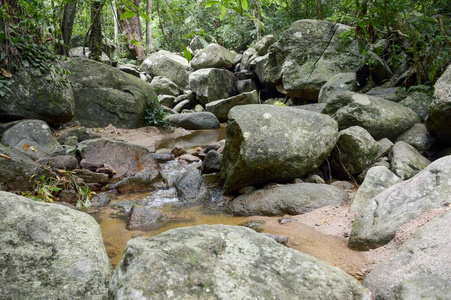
131 28
67 25
95 36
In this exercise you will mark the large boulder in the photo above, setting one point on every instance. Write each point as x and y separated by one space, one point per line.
406 161
418 136
267 143
104 95
439 116
355 151
308 54
190 187
33 138
126 159
16 170
212 84
292 199
164 86
424 258
35 97
214 56
225 262
167 64
194 121
339 83
49 251
221 108
262 46
379 219
419 103
381 118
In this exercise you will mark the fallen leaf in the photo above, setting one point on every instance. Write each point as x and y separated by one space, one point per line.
6 74
25 147
33 149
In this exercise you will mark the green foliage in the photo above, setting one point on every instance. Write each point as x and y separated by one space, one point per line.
155 116
278 103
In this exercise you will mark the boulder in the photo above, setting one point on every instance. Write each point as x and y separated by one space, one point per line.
263 45
166 100
258 66
248 55
145 218
339 83
33 138
314 107
221 108
379 69
419 103
308 55
190 187
126 159
418 136
194 121
197 43
377 180
246 86
213 56
169 65
379 219
179 107
62 162
104 95
147 179
381 118
77 52
422 264
385 146
406 161
35 97
267 143
292 199
81 134
212 84
129 69
355 151
50 251
163 86
225 262
16 170
393 94
212 162
439 116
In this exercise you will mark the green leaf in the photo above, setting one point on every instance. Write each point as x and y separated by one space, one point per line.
144 16
223 11
244 4
128 14
210 3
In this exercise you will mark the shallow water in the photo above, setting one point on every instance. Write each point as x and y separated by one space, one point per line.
198 138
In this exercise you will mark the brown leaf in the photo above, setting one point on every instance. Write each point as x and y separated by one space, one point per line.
6 74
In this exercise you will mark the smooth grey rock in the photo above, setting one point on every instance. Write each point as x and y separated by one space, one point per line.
263 45
247 57
417 136
213 56
267 143
423 261
307 55
129 69
381 118
385 146
212 162
50 251
379 219
15 173
104 95
225 262
419 103
190 187
314 179
439 116
246 86
339 83
393 94
33 138
184 104
101 200
292 199
355 151
194 121
314 107
377 180
81 134
147 179
77 52
212 84
167 64
258 66
145 218
221 108
62 162
197 43
406 161
164 86
166 100
35 97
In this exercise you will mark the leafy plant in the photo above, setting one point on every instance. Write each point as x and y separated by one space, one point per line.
155 116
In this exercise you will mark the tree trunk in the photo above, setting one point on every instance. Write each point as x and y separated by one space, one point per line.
149 27
116 28
131 28
258 17
319 12
67 24
95 37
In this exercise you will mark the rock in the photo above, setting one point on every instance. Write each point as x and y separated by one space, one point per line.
33 138
145 218
344 185
406 161
292 199
213 56
78 53
123 208
379 219
167 100
49 251
16 171
212 162
268 143
418 137
197 43
129 69
314 107
248 56
35 97
339 83
81 134
167 64
190 187
422 261
308 55
377 180
92 177
194 121
280 239
393 94
125 159
63 162
181 106
221 108
163 86
314 179
147 179
104 95
439 116
212 84
258 66
246 86
381 118
379 70
225 262
419 103
355 151
199 108
385 146
263 45
100 200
